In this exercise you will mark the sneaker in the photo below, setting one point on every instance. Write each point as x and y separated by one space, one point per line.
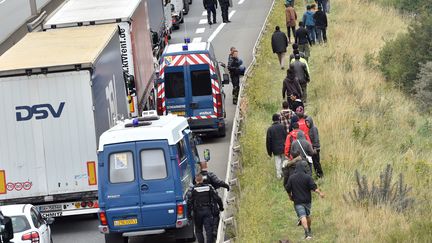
308 237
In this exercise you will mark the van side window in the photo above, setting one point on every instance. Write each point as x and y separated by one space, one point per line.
121 167
174 85
153 164
181 150
201 82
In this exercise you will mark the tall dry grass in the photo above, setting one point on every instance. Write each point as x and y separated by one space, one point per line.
364 124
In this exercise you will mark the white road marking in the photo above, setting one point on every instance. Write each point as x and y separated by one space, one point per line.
204 13
220 27
197 39
241 2
203 21
199 30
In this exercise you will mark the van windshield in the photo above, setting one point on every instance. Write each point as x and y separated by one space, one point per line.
201 82
174 85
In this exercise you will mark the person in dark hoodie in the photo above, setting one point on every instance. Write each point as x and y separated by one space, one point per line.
314 136
275 143
321 25
301 147
279 42
291 87
299 187
303 40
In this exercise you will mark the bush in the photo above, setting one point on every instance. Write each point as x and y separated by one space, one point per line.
423 87
386 193
400 59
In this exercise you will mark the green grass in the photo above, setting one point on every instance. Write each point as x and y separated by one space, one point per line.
364 124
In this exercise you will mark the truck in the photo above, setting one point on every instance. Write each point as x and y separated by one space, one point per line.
160 34
59 91
190 84
146 166
135 44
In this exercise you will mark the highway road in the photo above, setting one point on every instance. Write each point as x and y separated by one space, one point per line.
247 18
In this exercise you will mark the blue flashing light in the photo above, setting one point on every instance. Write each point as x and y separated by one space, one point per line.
187 40
185 47
135 122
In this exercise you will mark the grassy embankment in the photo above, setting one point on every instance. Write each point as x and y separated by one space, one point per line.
364 124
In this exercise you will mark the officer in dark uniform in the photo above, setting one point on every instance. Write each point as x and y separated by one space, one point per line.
224 4
200 202
6 230
212 179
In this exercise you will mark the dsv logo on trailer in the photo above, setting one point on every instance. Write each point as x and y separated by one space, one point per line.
42 111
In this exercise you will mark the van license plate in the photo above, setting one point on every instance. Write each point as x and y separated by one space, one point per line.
123 222
178 113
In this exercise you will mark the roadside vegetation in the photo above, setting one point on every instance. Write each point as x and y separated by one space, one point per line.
364 124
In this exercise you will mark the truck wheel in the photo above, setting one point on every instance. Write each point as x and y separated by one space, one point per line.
222 132
115 238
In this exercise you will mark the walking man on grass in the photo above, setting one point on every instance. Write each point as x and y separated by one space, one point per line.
275 143
299 188
279 45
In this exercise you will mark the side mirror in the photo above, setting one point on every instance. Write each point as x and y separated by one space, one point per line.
207 155
225 78
6 229
198 140
49 221
158 81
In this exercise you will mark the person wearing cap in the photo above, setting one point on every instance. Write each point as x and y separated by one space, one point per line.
291 18
279 44
303 40
213 180
321 25
301 73
275 143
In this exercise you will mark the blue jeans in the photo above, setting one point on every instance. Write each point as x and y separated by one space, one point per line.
321 34
303 210
312 33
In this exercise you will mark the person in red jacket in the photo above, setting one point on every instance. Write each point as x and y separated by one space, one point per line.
292 136
302 122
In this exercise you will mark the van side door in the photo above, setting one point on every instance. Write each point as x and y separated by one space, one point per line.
119 190
156 183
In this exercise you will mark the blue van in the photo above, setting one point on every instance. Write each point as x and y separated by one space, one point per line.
190 85
145 167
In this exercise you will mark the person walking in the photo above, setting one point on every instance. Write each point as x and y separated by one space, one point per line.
291 18
302 147
302 74
200 204
303 40
285 115
235 72
291 88
321 25
291 137
302 59
224 5
279 44
295 48
309 22
314 136
299 187
275 143
212 179
210 6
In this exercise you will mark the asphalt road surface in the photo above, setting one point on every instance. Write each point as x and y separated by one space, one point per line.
247 18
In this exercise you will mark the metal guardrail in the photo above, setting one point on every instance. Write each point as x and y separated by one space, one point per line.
234 166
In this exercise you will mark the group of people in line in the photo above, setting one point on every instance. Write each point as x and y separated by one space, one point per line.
293 138
212 5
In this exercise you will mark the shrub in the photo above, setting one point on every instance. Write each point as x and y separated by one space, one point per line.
423 87
386 193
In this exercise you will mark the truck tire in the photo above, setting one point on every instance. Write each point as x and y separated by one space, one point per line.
222 132
115 238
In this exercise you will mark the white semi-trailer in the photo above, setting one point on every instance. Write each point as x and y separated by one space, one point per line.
135 44
59 91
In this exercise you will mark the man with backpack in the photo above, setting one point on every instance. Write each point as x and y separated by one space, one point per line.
314 136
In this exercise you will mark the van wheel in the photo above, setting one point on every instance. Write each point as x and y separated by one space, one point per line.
115 238
222 132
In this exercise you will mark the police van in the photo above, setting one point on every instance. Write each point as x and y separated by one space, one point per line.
190 85
146 166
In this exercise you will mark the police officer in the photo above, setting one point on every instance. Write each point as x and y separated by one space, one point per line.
212 179
224 4
6 231
200 202
235 72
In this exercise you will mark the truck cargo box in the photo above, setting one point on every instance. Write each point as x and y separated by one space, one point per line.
59 91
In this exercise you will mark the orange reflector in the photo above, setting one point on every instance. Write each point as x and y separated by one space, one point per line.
132 105
91 172
2 182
